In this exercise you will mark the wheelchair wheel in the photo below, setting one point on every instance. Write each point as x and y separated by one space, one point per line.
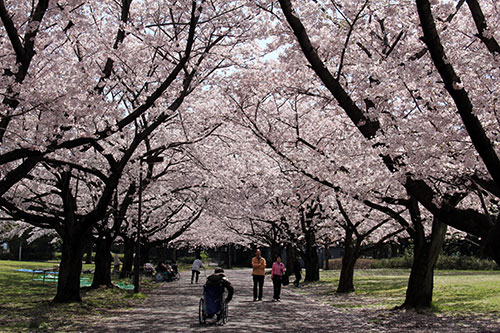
201 311
177 276
159 277
224 312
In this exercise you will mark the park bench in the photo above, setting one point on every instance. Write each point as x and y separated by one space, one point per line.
43 274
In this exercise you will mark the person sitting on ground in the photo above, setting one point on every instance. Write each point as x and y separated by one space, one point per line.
149 268
214 293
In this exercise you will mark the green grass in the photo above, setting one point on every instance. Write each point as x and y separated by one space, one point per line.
472 292
25 305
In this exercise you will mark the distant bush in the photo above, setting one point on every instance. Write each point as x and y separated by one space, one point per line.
404 261
6 256
444 262
361 263
466 262
185 260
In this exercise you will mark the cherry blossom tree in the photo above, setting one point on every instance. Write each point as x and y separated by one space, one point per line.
369 125
117 64
393 28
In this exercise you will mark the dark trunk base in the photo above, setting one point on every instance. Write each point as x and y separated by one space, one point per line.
103 259
312 266
346 281
68 286
421 281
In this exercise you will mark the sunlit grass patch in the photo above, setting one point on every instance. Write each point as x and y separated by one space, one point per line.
467 292
25 305
474 292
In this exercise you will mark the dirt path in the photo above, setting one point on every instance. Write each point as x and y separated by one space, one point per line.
175 309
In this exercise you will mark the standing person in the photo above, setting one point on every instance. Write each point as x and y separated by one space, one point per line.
258 272
297 270
195 270
277 271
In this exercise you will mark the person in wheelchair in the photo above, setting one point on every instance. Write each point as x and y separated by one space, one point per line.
214 294
165 271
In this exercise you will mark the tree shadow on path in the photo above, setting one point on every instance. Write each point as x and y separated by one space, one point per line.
174 308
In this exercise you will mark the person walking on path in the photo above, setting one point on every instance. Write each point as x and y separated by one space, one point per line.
258 272
195 270
297 270
277 271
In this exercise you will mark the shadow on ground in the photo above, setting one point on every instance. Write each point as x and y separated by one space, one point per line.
175 309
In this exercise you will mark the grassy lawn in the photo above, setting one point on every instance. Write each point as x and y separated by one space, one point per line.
25 305
472 292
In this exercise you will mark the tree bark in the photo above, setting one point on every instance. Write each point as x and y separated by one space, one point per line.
230 250
171 254
128 257
70 268
290 258
88 256
145 251
346 281
275 251
103 259
311 262
426 254
327 257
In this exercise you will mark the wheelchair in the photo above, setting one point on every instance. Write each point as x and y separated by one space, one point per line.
162 276
212 304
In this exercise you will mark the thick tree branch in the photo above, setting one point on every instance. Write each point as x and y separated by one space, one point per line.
482 27
455 88
367 127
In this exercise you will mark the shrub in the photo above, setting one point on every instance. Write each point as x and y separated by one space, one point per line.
398 262
444 262
361 263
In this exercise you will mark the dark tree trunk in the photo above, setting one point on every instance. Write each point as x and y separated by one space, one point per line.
88 256
492 244
128 257
346 281
229 261
311 263
394 250
70 268
171 254
145 251
275 251
326 266
290 258
103 259
421 281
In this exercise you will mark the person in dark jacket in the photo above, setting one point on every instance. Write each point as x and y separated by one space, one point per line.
214 291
